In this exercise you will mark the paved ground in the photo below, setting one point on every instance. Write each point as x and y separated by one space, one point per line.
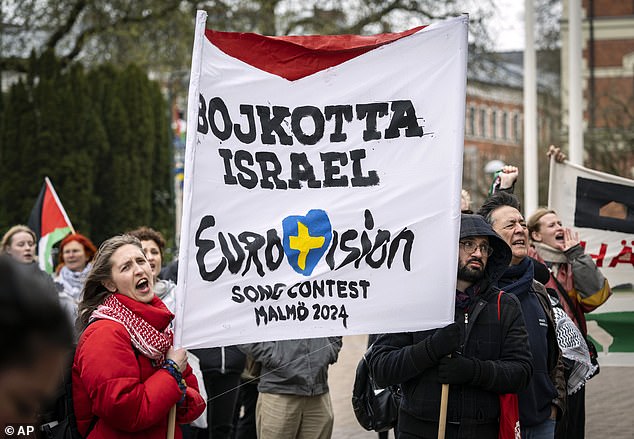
609 398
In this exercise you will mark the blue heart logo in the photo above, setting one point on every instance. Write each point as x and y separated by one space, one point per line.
306 239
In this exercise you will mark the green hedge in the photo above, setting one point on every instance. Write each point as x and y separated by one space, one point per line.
103 138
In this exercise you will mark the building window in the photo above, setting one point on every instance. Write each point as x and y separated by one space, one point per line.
471 122
483 122
505 122
494 124
516 127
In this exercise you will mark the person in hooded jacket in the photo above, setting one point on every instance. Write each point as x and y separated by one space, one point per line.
126 374
488 344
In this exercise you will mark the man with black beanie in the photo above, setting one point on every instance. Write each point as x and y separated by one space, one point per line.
483 354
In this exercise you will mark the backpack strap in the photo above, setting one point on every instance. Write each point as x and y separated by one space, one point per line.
499 300
93 422
567 299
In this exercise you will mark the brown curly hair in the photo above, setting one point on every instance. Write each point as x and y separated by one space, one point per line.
148 234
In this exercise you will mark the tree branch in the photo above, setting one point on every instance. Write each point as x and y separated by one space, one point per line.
14 64
127 20
62 31
379 14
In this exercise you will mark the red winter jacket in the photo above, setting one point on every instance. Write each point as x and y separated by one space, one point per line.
119 386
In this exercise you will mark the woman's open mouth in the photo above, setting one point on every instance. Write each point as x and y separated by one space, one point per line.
143 286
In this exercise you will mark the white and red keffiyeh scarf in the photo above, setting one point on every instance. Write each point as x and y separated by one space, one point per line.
152 343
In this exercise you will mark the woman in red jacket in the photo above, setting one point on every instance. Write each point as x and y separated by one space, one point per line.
126 373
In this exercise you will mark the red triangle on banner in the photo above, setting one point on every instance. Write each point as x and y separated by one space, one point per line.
294 57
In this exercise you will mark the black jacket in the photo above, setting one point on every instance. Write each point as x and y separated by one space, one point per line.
222 360
555 360
493 332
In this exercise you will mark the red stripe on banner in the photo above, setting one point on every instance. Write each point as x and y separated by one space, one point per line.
52 216
294 57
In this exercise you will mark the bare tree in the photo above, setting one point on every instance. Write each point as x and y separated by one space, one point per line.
609 144
158 33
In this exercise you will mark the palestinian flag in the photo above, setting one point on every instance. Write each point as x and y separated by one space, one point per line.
50 223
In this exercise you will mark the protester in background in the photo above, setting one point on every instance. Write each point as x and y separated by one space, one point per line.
127 374
19 243
75 253
578 367
574 275
580 286
556 153
373 337
170 271
465 202
244 417
570 266
294 400
154 247
34 340
488 344
221 368
543 401
504 180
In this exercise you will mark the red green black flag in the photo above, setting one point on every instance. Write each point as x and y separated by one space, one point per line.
50 223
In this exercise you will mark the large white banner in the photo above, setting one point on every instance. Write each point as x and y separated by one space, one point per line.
600 207
322 184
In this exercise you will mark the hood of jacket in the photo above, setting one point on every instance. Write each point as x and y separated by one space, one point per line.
498 262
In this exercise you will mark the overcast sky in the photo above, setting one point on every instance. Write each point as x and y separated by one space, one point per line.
507 27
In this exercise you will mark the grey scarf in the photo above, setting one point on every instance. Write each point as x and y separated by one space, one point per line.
550 254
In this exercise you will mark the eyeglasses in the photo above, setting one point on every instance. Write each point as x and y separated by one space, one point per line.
470 247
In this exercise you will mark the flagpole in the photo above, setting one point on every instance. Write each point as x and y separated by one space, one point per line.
59 203
192 121
531 192
575 86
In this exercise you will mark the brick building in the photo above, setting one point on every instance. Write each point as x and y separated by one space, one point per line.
608 84
494 117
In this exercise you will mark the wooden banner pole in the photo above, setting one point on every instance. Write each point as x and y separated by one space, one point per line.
442 422
171 423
